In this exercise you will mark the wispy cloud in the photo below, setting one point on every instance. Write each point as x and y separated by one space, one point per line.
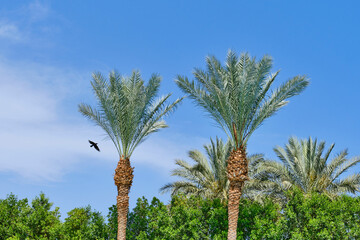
43 137
36 141
29 23
38 10
9 31
23 103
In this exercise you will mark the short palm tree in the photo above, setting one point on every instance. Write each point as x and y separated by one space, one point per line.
305 164
237 96
128 112
207 176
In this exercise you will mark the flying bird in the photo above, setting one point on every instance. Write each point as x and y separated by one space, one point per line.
93 144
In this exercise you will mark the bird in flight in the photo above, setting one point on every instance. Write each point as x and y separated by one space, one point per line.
93 144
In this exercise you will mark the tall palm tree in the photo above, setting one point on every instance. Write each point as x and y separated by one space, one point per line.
237 97
128 112
305 164
207 176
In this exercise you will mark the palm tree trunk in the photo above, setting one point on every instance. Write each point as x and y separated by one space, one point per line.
237 170
123 180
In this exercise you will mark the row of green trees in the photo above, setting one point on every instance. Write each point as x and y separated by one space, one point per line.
311 216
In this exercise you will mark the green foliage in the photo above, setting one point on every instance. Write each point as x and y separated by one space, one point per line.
19 220
44 223
138 220
14 217
82 223
305 164
149 221
188 219
255 216
311 216
207 177
316 216
112 218
194 218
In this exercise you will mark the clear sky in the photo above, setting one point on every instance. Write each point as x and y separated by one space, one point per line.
48 50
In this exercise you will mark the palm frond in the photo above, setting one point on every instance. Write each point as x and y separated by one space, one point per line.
345 166
237 94
127 110
304 164
206 176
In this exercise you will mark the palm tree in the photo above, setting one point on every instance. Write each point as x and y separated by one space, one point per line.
128 112
207 176
305 164
237 97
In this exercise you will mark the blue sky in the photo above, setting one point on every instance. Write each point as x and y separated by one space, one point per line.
48 50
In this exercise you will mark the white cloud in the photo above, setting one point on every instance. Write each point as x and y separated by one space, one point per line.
41 139
42 136
22 103
38 10
9 31
31 24
35 140
43 152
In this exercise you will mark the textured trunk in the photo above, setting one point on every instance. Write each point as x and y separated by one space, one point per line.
237 170
123 179
233 209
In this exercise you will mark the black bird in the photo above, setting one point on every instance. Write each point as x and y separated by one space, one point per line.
94 145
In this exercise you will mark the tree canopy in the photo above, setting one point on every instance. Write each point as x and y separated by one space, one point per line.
306 164
237 95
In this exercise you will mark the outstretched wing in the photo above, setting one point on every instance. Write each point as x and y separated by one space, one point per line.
96 147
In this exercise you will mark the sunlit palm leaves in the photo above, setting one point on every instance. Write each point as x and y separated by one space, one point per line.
127 109
207 176
239 93
306 165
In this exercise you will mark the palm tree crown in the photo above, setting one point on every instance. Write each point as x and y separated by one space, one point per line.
207 176
237 95
128 111
305 164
